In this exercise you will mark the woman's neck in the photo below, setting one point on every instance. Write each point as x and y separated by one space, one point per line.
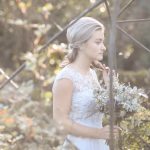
82 64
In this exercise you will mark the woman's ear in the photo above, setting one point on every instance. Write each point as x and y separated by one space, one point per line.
82 46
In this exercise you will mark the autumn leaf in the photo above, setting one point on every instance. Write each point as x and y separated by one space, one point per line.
9 120
3 111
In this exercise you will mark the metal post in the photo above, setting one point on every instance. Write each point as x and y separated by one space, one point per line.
112 64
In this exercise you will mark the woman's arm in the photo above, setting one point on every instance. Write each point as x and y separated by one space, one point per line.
62 95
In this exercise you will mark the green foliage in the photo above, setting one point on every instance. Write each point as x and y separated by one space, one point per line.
29 109
43 68
25 113
26 24
136 130
25 123
139 78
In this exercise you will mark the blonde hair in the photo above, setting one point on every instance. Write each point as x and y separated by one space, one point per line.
77 34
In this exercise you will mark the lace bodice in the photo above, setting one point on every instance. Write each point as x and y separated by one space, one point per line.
83 108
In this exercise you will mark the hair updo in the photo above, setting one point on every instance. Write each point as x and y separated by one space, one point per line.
77 34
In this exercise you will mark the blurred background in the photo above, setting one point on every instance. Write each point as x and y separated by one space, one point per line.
26 103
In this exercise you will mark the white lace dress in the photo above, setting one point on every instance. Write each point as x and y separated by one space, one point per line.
83 109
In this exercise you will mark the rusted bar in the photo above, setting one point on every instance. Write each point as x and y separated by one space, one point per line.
86 11
13 75
108 10
125 7
132 38
133 20
7 77
112 64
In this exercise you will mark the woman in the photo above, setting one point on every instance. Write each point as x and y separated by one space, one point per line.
74 107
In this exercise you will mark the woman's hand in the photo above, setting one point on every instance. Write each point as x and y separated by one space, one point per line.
105 71
105 132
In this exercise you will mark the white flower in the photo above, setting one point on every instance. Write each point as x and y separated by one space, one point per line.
126 97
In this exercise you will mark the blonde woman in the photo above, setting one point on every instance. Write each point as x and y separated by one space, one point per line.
74 108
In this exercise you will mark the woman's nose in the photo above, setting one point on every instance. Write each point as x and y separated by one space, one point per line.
103 47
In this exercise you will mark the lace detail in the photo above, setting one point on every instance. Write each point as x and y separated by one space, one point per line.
83 109
83 104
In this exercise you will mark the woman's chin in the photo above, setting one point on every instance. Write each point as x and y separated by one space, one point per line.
100 58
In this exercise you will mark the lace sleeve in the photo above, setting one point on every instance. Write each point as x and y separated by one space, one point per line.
64 74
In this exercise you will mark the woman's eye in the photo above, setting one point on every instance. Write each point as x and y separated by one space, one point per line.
98 42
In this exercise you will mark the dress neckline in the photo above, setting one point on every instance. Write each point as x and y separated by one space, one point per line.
76 71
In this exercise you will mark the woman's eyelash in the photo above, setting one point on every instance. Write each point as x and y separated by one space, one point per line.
98 41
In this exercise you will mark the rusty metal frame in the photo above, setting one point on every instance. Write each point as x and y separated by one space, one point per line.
86 11
112 47
7 77
133 20
112 65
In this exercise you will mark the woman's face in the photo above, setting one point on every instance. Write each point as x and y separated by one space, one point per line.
94 48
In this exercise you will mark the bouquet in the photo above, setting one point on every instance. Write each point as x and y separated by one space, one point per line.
128 100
